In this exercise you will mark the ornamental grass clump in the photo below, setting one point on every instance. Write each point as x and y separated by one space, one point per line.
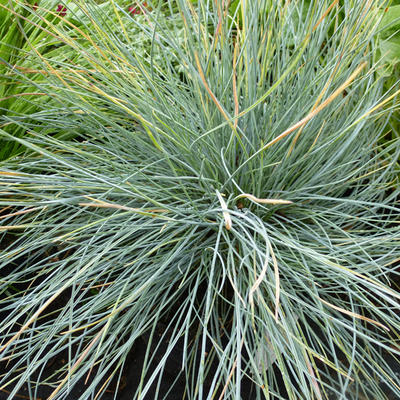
228 185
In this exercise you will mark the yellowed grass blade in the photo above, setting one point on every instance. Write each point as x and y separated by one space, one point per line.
234 83
7 173
33 318
212 95
354 315
314 380
120 207
22 212
76 365
263 201
13 227
328 10
317 110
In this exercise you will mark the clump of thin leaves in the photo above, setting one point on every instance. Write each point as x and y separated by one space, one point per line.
227 183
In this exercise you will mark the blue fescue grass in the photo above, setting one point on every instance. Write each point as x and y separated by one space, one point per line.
231 173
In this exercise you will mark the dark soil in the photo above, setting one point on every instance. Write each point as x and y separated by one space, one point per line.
172 385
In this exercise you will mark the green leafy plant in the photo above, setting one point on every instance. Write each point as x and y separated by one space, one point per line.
23 29
229 184
389 53
12 41
36 36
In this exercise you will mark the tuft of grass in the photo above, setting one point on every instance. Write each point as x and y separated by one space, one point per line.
228 182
